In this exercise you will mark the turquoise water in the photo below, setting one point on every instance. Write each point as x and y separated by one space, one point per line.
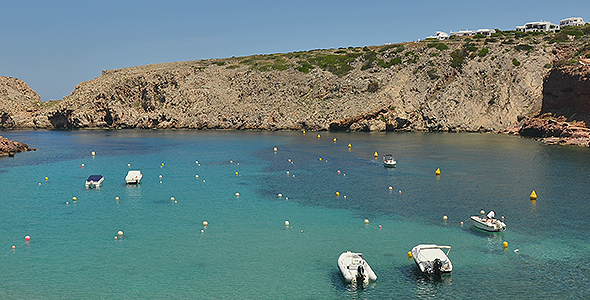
246 251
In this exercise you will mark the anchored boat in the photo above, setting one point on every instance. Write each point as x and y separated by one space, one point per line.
133 177
355 268
431 259
488 223
94 181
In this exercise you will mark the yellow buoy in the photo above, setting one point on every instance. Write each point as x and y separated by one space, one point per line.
303 131
337 193
46 178
410 254
376 154
236 173
334 140
349 145
533 195
505 244
319 136
162 164
320 158
437 172
366 221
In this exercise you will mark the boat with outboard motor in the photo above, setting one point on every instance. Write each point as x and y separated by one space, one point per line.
431 259
488 222
389 161
133 177
94 181
355 268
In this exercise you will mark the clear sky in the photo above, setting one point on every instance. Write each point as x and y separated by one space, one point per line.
54 45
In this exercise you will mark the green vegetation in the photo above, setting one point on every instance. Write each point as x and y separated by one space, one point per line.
470 47
524 47
220 63
338 65
458 58
432 74
548 66
438 46
515 62
483 52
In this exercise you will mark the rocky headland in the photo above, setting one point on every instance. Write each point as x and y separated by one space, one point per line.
10 148
466 84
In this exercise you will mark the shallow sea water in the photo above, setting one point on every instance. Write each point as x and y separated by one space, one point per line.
246 251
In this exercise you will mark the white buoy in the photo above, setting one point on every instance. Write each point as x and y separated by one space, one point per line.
231 161
197 176
366 221
160 176
280 195
275 149
74 198
445 218
93 153
117 198
288 172
400 191
129 165
205 223
482 212
197 162
287 223
202 231
172 199
390 188
82 165
120 233
461 223
237 194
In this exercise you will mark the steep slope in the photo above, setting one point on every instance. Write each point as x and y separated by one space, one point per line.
461 85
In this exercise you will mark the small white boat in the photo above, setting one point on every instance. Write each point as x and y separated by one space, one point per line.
488 223
431 259
355 268
94 181
133 177
389 161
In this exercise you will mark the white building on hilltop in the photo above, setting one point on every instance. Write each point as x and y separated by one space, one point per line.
541 26
439 36
485 32
573 21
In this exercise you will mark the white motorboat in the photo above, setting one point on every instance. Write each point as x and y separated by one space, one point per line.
355 268
431 259
488 223
94 181
133 177
389 161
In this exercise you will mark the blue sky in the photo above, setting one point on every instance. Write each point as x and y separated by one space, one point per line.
54 45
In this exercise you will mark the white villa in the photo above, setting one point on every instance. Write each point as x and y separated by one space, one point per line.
541 26
486 32
573 21
439 36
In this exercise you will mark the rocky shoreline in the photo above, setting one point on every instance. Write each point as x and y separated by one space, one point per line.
10 148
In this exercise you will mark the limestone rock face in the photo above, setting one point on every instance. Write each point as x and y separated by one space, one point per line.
16 98
8 147
404 87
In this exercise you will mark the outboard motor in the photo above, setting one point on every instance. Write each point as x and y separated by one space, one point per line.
360 275
437 265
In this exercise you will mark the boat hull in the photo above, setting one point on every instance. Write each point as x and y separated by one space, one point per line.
425 256
488 224
349 262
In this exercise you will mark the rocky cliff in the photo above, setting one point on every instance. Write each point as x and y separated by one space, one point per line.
470 84
8 147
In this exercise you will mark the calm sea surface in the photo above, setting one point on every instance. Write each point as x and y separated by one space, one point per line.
247 252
